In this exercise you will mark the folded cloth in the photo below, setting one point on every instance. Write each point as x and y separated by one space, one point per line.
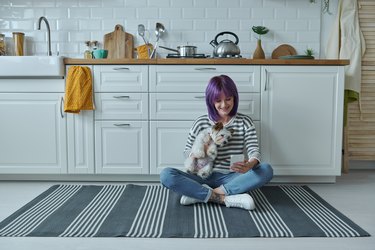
78 90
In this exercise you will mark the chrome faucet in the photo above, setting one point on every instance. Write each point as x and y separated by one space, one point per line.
49 52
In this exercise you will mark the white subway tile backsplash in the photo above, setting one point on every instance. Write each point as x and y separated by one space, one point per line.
297 22
285 13
228 4
68 25
80 12
85 25
20 25
126 13
205 3
55 13
239 13
197 13
148 13
295 25
102 13
170 13
203 25
67 3
262 13
182 3
217 13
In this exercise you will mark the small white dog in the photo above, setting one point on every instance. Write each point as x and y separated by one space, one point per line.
199 162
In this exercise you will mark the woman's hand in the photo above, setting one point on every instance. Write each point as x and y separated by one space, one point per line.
244 166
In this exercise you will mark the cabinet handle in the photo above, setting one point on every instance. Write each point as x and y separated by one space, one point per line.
266 83
205 68
121 68
122 124
199 97
62 107
121 96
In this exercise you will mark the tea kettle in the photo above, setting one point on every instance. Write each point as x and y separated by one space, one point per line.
225 48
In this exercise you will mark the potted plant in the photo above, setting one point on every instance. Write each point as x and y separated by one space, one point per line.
260 30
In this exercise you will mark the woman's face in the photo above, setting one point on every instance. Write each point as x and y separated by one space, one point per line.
224 105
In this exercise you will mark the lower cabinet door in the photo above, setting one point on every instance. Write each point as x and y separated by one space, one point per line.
81 142
121 147
167 144
32 133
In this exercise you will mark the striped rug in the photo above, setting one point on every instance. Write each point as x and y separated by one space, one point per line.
154 212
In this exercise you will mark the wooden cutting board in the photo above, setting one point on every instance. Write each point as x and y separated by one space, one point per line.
283 50
119 43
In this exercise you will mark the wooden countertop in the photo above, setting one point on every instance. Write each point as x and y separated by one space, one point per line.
207 61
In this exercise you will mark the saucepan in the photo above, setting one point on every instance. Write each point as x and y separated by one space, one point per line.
186 50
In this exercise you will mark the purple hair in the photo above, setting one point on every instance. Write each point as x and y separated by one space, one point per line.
216 86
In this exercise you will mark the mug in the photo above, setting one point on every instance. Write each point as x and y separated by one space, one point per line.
100 53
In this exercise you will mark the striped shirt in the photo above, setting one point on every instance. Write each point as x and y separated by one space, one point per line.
244 140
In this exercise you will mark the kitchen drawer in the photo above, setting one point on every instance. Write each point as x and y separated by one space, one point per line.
121 78
116 106
32 85
194 78
188 106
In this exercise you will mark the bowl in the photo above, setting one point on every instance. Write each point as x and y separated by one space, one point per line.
100 53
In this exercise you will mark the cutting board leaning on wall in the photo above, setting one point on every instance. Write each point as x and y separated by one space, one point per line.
119 43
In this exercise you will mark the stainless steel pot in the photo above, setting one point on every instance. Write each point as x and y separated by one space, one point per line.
184 51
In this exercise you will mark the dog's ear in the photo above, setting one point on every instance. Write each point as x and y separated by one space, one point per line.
218 126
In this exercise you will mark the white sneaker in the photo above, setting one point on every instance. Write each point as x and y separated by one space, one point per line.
186 200
240 200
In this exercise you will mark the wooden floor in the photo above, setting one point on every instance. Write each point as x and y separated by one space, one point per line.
353 194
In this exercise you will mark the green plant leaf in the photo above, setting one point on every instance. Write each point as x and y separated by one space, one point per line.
260 30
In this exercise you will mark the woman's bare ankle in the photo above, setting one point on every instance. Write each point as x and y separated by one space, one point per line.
216 198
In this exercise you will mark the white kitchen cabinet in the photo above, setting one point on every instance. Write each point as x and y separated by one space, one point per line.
301 119
167 140
32 132
80 139
177 98
121 147
121 119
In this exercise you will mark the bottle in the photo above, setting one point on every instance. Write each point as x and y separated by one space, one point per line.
87 54
18 38
2 45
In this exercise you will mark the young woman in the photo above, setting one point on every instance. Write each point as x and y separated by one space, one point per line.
228 184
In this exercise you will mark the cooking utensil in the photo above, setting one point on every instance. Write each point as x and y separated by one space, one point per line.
119 43
283 50
183 51
141 32
159 31
226 47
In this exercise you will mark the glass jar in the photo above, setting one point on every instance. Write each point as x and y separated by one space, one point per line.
18 38
2 45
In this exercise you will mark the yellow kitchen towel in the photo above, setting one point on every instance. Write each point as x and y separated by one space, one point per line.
78 90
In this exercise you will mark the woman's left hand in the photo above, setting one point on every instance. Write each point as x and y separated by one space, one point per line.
243 167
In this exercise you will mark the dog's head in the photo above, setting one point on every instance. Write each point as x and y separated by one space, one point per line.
220 135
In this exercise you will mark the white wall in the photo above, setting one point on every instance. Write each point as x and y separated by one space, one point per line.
196 22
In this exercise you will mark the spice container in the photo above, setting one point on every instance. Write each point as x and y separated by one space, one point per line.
18 38
2 45
88 54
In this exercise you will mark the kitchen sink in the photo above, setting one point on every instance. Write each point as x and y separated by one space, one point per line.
32 66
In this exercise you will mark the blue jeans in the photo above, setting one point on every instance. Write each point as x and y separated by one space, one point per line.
230 183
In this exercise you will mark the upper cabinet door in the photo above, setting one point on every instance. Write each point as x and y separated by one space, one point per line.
301 119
